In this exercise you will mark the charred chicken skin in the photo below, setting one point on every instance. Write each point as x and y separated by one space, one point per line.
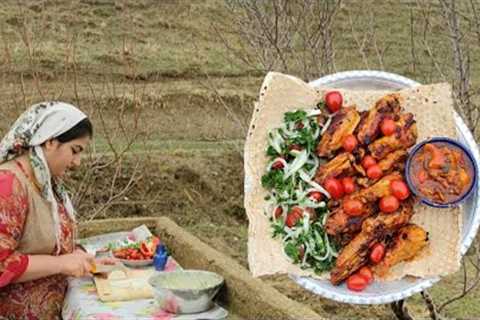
369 128
374 230
404 137
343 124
409 241
340 165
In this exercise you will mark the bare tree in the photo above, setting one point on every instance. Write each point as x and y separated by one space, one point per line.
283 35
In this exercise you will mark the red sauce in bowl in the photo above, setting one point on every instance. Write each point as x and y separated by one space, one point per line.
441 172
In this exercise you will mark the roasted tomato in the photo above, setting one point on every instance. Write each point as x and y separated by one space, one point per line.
368 161
377 253
374 172
334 101
356 282
353 207
367 273
348 185
349 143
388 127
389 204
399 189
334 188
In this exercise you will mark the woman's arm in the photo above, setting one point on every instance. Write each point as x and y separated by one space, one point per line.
77 264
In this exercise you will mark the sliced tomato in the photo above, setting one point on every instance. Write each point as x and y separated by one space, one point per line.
278 212
315 196
146 250
293 216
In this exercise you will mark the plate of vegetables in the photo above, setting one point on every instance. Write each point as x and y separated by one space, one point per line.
135 253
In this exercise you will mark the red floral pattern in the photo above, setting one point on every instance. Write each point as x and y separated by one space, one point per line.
37 299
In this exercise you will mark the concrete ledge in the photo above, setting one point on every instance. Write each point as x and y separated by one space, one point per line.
96 227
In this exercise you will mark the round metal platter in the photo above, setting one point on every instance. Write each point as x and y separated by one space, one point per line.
385 292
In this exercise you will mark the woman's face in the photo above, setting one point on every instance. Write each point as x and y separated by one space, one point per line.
64 156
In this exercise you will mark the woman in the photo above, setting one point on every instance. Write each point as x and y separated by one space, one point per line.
37 222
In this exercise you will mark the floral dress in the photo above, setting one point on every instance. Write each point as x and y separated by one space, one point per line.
37 299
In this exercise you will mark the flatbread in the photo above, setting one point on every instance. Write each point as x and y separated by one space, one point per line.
432 106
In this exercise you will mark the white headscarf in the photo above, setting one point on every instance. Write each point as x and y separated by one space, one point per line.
40 123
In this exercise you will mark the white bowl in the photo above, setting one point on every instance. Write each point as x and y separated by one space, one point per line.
185 291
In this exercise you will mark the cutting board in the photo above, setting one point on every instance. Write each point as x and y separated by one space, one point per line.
131 285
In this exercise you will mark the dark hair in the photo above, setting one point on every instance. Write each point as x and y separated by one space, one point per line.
80 130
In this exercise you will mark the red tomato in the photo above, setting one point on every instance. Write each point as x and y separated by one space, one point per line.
389 204
334 187
348 185
368 161
315 196
399 189
334 101
349 143
374 172
356 282
293 216
278 212
277 165
353 207
366 273
377 253
388 127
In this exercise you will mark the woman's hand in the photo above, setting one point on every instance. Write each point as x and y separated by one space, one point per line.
76 264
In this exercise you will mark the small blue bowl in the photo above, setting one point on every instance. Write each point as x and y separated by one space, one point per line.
443 140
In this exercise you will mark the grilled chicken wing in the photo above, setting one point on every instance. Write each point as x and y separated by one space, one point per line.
374 230
394 161
343 226
379 189
343 124
404 137
341 164
409 240
369 127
